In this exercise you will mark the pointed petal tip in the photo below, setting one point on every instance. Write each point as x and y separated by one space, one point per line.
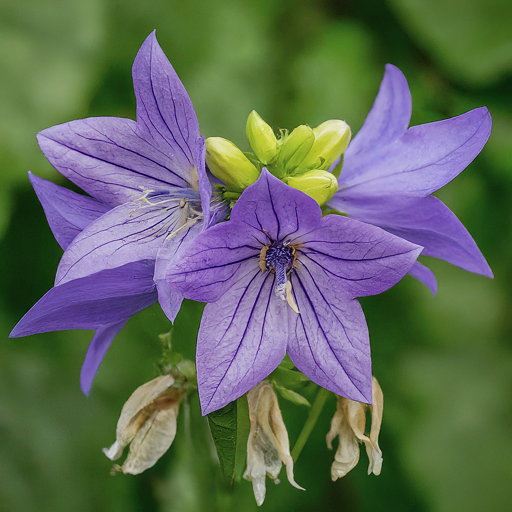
85 383
151 38
392 69
22 329
15 333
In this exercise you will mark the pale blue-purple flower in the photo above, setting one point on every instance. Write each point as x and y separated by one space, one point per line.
276 256
390 170
149 196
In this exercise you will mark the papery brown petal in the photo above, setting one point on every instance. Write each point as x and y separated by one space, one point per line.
134 415
152 440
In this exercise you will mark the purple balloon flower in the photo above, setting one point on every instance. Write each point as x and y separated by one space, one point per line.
150 195
280 278
389 172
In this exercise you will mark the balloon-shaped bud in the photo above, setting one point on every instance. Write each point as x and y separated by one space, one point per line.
229 164
318 184
331 140
296 147
261 138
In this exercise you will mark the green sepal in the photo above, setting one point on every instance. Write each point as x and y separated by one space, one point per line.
169 357
292 396
327 210
187 368
230 430
254 160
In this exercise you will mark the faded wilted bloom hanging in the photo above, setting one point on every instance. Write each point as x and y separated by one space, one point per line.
268 446
148 424
349 424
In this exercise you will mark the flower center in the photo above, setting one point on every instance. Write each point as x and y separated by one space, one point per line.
279 257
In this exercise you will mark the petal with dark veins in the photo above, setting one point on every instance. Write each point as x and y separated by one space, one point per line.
131 232
328 340
242 339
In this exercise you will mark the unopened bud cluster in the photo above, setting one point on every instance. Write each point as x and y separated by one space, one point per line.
302 158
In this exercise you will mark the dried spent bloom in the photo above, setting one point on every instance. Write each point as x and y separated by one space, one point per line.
148 424
268 446
348 423
280 278
149 196
390 171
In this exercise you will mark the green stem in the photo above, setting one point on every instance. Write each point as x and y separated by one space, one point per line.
314 413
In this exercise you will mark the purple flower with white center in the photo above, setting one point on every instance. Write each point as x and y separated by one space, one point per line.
390 170
280 278
150 195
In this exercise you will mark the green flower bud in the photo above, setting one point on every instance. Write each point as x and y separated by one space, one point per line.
318 184
331 140
229 164
295 147
261 138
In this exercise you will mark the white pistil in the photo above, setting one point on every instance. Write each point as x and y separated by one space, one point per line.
290 298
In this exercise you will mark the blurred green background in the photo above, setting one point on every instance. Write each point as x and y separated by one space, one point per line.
444 363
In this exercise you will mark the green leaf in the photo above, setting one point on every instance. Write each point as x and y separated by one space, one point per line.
243 426
230 430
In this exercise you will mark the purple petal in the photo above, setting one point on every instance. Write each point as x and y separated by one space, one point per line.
131 232
424 275
241 340
205 187
271 205
68 213
98 347
331 344
388 118
110 160
218 258
115 160
424 221
421 161
170 300
107 297
356 258
165 114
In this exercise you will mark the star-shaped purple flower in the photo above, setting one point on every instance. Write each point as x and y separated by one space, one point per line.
389 172
150 195
280 278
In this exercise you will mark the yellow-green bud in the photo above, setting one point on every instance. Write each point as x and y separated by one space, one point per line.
261 138
331 140
296 146
229 164
318 184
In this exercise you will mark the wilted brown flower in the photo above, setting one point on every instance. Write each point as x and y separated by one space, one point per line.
268 445
348 423
148 422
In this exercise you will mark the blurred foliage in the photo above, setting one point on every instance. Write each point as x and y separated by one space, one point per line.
444 363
